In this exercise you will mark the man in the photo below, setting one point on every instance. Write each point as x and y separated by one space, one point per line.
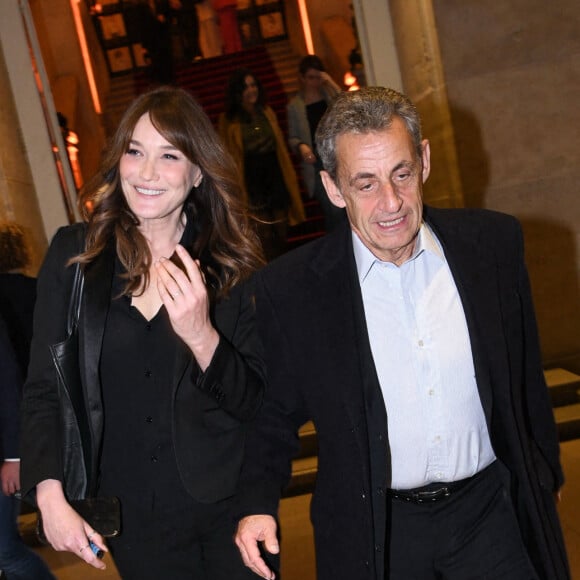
410 340
16 559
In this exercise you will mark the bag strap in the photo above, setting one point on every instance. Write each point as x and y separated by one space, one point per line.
74 306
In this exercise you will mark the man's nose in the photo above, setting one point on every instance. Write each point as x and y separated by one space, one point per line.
390 200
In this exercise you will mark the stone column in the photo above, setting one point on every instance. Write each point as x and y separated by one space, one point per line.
18 201
417 45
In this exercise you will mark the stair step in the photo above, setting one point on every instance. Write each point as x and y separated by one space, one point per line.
564 386
303 477
308 442
568 421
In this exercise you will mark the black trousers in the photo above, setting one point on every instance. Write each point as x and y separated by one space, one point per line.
177 540
471 535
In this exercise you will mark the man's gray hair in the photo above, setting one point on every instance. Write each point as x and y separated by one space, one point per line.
368 110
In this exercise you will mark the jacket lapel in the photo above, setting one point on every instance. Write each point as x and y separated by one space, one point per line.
95 306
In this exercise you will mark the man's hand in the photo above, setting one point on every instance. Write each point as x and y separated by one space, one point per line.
251 531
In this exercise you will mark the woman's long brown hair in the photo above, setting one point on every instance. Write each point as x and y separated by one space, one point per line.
225 239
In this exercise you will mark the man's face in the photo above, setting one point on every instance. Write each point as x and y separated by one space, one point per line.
380 183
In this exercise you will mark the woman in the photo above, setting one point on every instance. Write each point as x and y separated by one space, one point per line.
317 91
168 357
250 131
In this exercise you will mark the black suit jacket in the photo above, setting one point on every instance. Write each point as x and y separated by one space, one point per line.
320 367
210 410
10 383
17 298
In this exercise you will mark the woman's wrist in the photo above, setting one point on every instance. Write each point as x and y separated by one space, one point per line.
48 491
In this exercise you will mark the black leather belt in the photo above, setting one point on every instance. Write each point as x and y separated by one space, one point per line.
434 491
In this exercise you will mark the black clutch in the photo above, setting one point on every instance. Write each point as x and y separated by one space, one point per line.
103 514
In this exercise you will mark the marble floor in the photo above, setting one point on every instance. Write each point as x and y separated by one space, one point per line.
297 547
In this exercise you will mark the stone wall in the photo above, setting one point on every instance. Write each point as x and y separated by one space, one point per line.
512 75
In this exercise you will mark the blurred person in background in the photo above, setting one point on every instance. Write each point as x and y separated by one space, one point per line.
17 561
305 109
250 130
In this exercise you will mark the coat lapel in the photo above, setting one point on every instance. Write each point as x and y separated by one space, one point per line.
338 277
95 306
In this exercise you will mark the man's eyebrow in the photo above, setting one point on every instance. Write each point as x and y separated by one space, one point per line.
369 175
362 175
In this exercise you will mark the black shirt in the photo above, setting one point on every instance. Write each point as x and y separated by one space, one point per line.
137 383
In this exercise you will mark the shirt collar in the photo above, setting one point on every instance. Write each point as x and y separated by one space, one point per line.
365 259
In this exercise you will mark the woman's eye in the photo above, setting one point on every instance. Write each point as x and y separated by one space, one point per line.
132 151
170 156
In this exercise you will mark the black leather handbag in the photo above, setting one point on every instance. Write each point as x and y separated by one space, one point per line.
102 513
65 356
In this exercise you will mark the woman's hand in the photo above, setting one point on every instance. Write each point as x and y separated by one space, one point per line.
185 297
329 83
65 530
307 154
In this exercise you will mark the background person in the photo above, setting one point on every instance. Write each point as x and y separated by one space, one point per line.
438 455
17 290
227 13
17 561
305 109
186 17
249 128
168 355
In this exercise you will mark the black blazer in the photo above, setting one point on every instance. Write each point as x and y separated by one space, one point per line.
320 367
10 383
210 410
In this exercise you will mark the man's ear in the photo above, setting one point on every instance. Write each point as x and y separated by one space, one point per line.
332 190
426 159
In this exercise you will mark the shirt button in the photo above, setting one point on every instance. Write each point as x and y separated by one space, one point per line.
149 419
148 373
431 392
148 327
420 343
154 459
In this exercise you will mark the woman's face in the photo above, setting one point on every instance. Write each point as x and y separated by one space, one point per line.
156 177
251 92
312 79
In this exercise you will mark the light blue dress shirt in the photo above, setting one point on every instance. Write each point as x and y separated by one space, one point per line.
422 354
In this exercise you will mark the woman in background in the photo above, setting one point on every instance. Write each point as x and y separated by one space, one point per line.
168 357
317 91
251 133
